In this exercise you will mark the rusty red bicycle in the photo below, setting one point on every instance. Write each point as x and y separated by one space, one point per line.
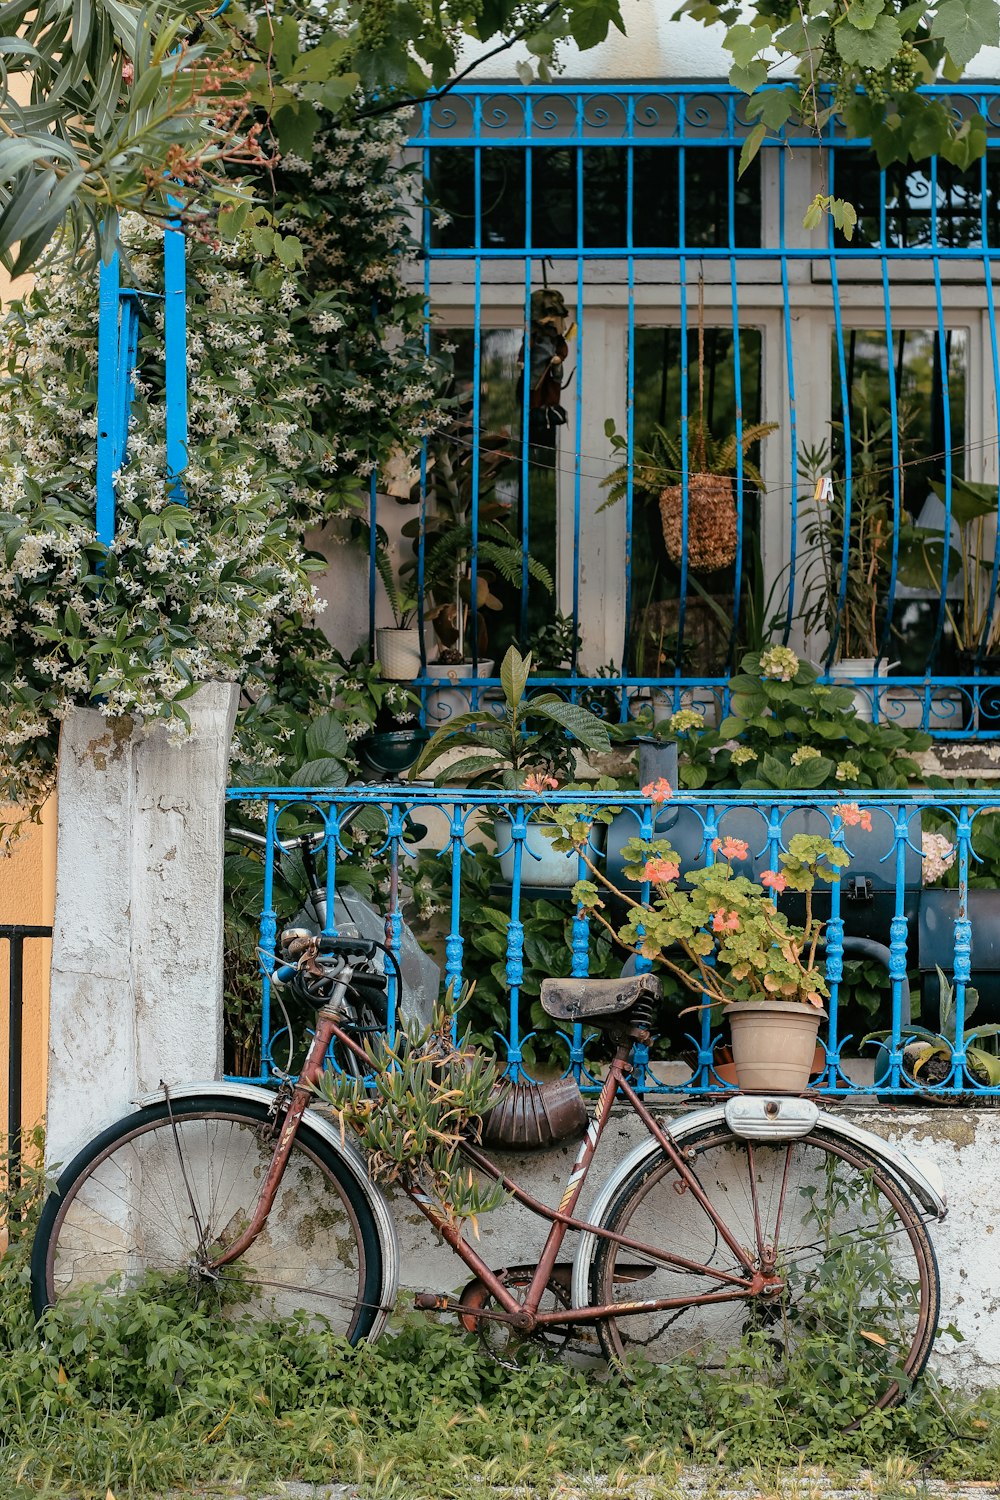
754 1230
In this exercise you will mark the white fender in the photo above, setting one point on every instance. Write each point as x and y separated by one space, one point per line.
348 1154
923 1181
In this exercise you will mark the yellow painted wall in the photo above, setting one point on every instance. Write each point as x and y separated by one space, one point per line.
27 895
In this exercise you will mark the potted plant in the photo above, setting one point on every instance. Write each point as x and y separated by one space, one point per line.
724 938
381 719
658 474
848 534
464 521
397 645
526 745
709 466
928 1055
970 602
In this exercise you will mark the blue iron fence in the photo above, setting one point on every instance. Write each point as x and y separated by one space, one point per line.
624 202
507 919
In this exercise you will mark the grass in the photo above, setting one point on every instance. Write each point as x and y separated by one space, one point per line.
144 1394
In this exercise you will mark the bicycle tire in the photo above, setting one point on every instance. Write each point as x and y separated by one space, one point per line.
125 1208
861 1299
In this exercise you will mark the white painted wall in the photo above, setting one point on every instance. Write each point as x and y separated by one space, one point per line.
658 47
136 986
965 1145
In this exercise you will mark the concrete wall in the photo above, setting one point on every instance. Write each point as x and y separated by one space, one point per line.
658 47
965 1145
136 989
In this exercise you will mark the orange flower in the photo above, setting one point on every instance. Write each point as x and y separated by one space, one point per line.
852 816
773 880
725 921
536 782
731 848
658 791
660 871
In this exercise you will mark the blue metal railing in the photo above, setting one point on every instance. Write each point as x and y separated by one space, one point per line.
886 933
522 171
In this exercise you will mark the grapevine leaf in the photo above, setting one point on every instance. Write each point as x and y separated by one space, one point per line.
745 42
752 145
875 47
864 13
965 27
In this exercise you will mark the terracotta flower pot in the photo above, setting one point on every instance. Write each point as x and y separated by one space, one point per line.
774 1045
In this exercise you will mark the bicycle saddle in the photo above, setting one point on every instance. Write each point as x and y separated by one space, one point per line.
590 999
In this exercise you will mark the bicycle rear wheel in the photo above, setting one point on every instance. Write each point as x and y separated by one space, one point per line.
856 1312
156 1196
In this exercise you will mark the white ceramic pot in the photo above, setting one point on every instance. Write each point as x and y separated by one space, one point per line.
858 666
541 862
444 703
399 652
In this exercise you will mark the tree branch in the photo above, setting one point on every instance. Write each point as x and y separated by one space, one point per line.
446 88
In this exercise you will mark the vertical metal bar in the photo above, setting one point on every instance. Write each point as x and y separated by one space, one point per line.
268 936
477 362
834 935
515 943
897 945
786 313
454 943
525 445
107 369
991 423
897 488
629 384
685 376
15 1046
422 524
845 401
737 382
946 427
175 359
577 456
128 344
963 947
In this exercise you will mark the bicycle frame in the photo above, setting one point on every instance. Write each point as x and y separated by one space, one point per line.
525 1314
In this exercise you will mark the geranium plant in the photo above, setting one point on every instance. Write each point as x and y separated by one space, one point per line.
720 933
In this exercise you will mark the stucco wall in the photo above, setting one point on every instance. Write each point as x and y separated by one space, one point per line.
964 1144
662 49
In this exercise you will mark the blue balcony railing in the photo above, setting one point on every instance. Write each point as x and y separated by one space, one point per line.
501 918
626 201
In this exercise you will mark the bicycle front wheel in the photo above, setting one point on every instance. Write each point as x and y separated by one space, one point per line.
849 1318
157 1196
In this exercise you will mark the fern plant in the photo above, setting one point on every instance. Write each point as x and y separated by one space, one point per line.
662 464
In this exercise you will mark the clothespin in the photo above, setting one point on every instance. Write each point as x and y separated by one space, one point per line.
824 489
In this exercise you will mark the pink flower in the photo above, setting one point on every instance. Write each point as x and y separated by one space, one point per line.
660 871
658 791
725 921
731 848
852 816
773 880
536 782
128 72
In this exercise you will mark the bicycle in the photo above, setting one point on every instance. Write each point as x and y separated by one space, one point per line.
760 1223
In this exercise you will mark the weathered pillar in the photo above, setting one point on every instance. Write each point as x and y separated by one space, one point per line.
136 988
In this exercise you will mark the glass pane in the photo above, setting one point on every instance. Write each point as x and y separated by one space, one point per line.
516 494
919 365
914 196
706 646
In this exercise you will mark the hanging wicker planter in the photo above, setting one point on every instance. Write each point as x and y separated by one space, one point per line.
711 522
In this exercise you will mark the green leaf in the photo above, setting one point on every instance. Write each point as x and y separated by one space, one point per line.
515 670
324 771
773 771
579 721
876 46
864 13
966 27
326 736
751 146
